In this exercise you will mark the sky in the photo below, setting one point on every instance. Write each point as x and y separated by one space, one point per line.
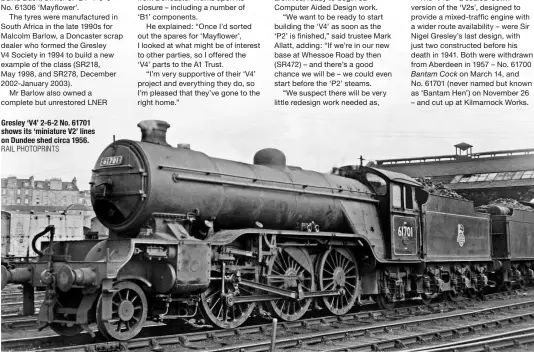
315 138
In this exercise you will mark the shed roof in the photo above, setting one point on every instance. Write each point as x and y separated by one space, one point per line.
463 166
492 184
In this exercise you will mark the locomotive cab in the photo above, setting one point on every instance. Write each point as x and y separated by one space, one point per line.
400 201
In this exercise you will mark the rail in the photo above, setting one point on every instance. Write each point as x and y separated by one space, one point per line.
83 342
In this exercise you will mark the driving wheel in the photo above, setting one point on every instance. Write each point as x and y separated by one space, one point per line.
290 267
219 306
338 271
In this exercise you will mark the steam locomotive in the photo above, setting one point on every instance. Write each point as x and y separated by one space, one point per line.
194 236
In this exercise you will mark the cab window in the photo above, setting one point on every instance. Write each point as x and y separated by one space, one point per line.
396 195
408 197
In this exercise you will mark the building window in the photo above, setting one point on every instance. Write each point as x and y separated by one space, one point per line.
528 174
491 176
46 201
508 175
18 200
465 178
39 185
473 178
457 178
26 201
4 191
518 175
18 192
37 201
482 177
500 176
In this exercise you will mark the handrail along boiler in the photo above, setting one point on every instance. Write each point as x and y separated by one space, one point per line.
194 236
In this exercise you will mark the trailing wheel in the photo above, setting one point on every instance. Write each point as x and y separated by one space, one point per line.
128 312
338 271
219 306
291 266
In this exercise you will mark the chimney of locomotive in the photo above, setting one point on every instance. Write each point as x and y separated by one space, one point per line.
154 131
270 157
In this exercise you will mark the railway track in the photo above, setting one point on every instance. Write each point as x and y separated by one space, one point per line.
17 297
322 329
335 335
15 308
15 321
448 333
12 301
17 304
517 339
510 339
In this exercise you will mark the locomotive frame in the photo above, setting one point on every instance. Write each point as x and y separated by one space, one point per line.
194 236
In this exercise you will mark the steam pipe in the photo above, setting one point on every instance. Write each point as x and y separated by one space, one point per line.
49 228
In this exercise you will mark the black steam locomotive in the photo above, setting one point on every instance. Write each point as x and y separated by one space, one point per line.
195 236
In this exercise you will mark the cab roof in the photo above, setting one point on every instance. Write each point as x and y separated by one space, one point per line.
395 176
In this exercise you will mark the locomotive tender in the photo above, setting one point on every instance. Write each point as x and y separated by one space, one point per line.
196 236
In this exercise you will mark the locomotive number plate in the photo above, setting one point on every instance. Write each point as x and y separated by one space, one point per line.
405 234
111 160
